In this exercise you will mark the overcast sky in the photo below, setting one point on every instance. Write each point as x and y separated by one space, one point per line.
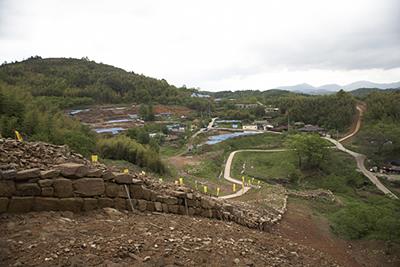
214 45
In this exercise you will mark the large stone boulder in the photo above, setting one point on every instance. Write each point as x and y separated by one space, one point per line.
89 187
73 170
136 191
46 204
168 200
148 194
124 178
62 187
95 173
27 174
28 189
45 182
8 174
207 203
7 188
20 204
90 204
120 203
107 175
3 204
142 205
104 202
115 190
49 174
47 191
71 204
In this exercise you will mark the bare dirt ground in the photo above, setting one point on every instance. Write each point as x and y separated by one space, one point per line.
179 162
300 225
111 238
353 127
99 114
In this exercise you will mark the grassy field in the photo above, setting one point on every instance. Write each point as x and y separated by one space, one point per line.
263 165
361 212
169 151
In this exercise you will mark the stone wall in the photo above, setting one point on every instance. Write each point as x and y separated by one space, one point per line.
317 194
78 187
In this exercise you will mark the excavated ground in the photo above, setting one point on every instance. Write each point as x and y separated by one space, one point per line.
110 238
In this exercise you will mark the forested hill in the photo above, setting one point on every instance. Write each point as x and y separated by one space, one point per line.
82 81
364 92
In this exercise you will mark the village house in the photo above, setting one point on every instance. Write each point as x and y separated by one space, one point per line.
199 95
309 128
263 125
177 128
250 127
271 109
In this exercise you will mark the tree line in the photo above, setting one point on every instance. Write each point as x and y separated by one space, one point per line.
81 81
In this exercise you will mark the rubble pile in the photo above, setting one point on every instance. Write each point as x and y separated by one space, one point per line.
26 155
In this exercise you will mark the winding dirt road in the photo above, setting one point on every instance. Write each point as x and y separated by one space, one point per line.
360 158
227 171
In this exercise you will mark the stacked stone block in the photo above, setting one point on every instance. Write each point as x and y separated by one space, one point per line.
77 187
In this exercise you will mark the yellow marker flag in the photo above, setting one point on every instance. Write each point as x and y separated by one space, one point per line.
181 181
249 181
258 182
160 180
234 187
205 189
18 136
218 191
252 180
126 171
95 158
243 179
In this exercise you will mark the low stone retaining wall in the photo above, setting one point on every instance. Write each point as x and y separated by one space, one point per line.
78 187
318 194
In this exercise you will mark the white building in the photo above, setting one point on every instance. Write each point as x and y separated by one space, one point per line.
250 127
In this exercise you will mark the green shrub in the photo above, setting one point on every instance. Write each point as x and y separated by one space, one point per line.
377 218
124 148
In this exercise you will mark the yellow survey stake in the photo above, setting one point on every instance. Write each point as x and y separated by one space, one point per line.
95 158
19 136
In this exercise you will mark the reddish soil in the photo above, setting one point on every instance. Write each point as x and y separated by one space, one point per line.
179 162
353 126
101 114
300 225
175 110
111 238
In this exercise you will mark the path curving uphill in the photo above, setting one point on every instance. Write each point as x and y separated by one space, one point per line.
360 158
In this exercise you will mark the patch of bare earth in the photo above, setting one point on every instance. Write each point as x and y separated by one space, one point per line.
104 238
300 225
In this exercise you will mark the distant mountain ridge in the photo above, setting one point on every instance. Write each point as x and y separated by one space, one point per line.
331 88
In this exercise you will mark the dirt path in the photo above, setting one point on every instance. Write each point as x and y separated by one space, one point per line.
360 158
356 127
228 167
